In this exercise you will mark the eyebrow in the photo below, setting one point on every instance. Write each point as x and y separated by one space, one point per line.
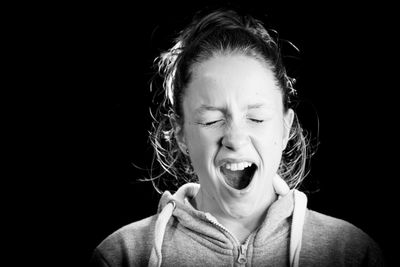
203 108
255 106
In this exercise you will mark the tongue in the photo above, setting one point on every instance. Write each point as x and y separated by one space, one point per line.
236 179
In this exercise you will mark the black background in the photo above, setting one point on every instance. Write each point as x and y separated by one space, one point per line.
92 98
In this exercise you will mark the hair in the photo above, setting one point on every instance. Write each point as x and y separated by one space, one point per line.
217 32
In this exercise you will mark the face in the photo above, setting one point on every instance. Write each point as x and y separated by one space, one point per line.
235 129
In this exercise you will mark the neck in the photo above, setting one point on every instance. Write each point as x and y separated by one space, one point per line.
240 226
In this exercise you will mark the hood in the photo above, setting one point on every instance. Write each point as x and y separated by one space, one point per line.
290 204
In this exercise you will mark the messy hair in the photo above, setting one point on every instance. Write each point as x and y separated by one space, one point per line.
218 32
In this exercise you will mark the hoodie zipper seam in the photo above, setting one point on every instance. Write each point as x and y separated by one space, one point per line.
242 248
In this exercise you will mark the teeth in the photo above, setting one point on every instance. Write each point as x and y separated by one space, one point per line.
237 166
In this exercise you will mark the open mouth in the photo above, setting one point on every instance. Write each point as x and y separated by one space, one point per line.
238 175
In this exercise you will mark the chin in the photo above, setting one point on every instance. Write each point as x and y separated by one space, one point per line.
245 202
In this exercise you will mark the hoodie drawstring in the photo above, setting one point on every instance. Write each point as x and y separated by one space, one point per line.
296 231
159 231
299 212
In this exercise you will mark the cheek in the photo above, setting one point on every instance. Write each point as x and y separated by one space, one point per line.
268 143
270 135
269 148
202 145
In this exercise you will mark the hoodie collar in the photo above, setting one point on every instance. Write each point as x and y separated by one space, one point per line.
288 212
276 220
193 219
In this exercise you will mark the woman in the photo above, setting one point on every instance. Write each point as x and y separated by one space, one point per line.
227 126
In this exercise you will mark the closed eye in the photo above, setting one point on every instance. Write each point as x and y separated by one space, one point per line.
209 123
257 121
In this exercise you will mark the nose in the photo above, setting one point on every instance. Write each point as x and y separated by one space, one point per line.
235 137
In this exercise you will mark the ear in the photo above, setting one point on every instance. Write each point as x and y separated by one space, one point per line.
287 126
179 135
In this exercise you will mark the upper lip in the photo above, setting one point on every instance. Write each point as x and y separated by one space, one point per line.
234 160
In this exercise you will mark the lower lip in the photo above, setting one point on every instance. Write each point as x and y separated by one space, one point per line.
238 192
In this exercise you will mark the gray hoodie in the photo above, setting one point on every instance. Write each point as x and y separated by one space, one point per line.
291 235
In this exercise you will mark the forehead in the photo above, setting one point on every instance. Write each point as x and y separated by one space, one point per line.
227 79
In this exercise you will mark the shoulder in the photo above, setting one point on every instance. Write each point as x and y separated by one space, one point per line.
334 239
129 243
130 234
330 225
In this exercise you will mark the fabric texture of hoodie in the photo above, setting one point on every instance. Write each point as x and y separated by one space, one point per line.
290 235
